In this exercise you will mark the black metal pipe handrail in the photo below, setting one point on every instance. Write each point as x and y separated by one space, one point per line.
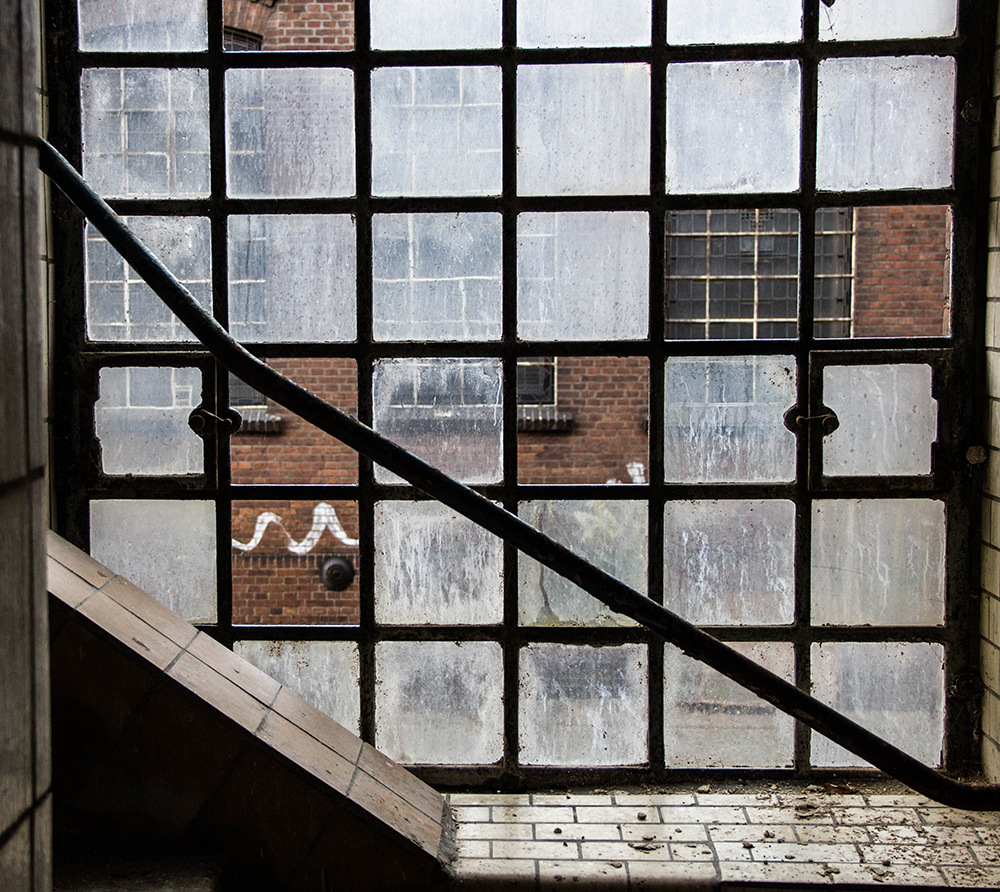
510 528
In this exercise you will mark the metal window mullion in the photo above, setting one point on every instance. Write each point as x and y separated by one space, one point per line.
807 268
657 374
510 634
219 379
367 630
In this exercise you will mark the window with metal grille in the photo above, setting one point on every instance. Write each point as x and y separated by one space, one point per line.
746 272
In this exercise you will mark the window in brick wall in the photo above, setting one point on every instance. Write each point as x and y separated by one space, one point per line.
553 248
735 273
235 39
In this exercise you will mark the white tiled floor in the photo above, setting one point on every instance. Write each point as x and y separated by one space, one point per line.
879 835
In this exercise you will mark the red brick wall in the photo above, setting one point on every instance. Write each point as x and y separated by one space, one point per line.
272 584
302 453
294 24
902 280
247 15
608 399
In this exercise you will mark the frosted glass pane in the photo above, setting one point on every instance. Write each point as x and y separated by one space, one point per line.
279 549
582 276
436 277
883 271
165 547
275 445
325 673
729 562
612 535
888 419
733 126
434 566
885 123
895 690
733 21
878 562
292 278
724 419
145 132
141 420
120 305
583 129
436 131
447 411
583 705
439 702
290 132
142 26
435 24
583 23
863 20
712 722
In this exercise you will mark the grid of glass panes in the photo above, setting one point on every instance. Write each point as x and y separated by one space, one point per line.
735 273
416 285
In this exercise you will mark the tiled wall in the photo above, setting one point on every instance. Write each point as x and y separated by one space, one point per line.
990 641
25 849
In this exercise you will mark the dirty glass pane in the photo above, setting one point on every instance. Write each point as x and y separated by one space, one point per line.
435 566
145 132
165 547
439 702
863 20
447 411
885 123
733 21
583 705
292 278
559 23
598 412
435 24
141 421
732 273
878 562
712 722
583 129
436 131
733 126
888 419
436 277
612 535
582 276
120 305
295 562
275 445
290 132
723 419
730 562
325 673
883 271
142 26
894 689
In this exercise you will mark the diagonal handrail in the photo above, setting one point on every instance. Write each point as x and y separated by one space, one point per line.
615 594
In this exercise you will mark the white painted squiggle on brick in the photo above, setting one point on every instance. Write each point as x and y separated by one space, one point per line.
324 518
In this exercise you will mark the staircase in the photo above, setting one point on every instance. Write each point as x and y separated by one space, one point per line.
165 744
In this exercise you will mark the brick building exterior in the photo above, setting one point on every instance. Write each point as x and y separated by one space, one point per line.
896 267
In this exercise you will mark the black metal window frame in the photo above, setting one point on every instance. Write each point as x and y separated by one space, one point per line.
954 359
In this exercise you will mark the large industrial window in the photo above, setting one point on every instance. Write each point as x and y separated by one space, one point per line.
689 285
